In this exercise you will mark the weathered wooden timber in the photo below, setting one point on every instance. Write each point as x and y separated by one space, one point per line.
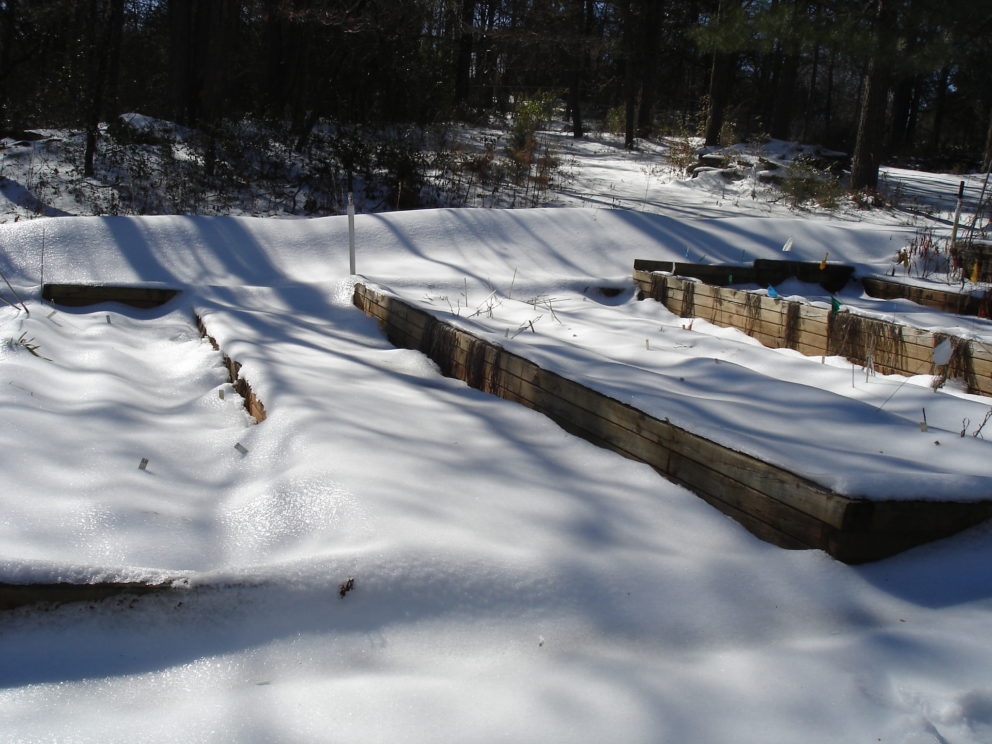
717 274
778 506
776 322
949 302
831 276
763 271
77 295
13 596
243 388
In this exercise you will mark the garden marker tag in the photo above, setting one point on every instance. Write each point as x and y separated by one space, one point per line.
241 448
143 465
788 245
772 292
942 353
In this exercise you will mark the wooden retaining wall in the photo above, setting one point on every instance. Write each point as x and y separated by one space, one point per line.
891 348
776 505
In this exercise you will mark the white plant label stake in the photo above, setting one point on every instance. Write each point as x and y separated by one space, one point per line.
957 214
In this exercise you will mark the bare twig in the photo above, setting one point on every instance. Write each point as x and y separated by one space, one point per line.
16 296
978 431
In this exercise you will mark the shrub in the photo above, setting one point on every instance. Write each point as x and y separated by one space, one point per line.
522 146
616 120
804 182
682 153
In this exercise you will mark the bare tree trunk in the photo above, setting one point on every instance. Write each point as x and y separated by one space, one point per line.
8 22
785 90
463 53
103 39
811 93
721 80
987 162
900 133
871 123
629 87
939 106
650 38
575 104
185 89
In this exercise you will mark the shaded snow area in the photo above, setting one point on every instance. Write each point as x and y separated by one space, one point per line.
510 581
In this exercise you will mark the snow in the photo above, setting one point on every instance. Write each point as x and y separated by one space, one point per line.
511 581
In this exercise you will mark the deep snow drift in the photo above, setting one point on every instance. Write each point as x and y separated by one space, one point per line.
511 582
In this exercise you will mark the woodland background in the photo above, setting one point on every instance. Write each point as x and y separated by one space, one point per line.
906 81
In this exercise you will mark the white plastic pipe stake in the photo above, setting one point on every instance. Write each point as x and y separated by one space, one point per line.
957 214
351 235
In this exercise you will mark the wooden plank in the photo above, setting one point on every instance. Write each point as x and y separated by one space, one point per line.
78 295
21 595
717 489
948 301
720 274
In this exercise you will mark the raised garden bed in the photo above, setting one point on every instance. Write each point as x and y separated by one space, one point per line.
14 595
889 347
81 295
775 504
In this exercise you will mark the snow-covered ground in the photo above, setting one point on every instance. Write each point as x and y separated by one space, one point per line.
511 582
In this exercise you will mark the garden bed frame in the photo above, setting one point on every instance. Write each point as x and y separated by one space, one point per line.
890 348
13 596
82 295
775 504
